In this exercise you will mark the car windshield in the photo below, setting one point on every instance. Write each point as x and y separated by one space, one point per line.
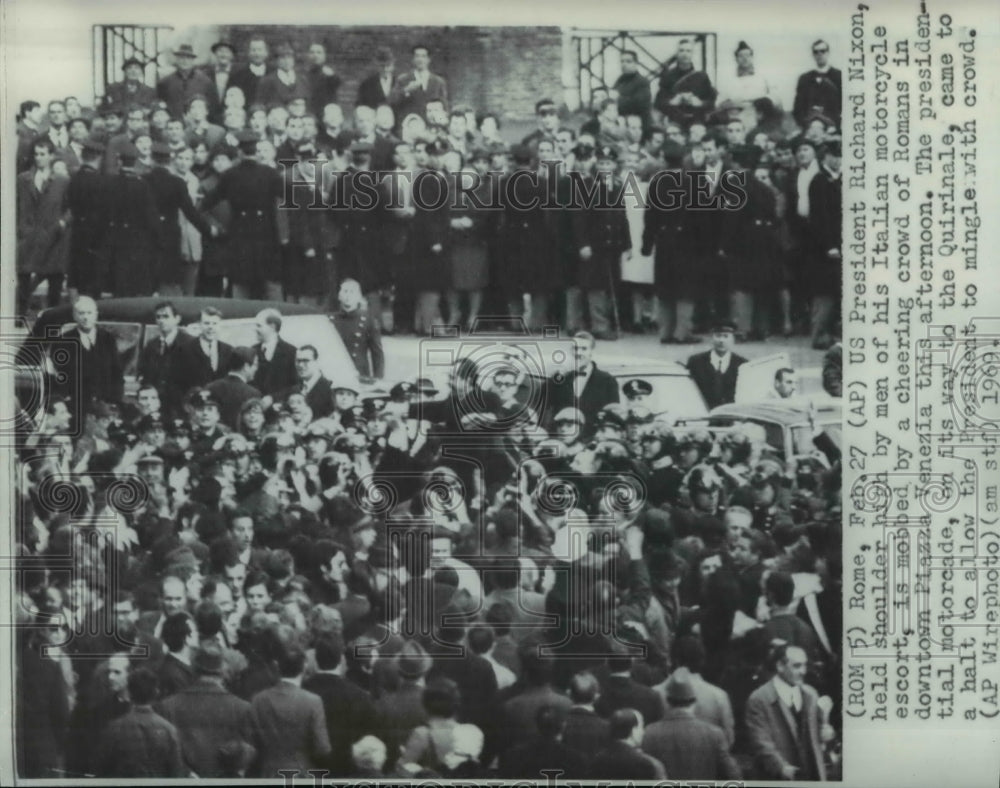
675 395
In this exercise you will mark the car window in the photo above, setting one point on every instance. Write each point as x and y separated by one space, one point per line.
675 395
127 337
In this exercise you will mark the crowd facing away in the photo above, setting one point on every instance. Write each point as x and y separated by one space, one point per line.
213 181
233 565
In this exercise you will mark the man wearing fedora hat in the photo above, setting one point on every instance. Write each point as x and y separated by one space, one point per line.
715 371
401 710
284 84
178 88
688 748
207 715
131 90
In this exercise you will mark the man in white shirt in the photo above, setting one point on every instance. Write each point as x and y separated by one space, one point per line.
414 89
715 371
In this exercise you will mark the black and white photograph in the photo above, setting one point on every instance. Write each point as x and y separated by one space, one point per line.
405 401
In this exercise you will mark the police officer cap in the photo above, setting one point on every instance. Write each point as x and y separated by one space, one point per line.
639 415
638 388
613 415
703 478
607 152
203 399
426 386
799 141
570 415
322 428
348 386
674 153
402 391
723 327
702 439
583 150
150 422
222 44
247 139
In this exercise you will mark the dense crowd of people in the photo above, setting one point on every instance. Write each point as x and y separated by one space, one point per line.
243 567
257 151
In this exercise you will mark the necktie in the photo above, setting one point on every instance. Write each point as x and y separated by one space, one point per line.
163 346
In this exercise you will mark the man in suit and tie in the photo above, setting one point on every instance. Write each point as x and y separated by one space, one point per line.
585 729
85 198
207 358
317 389
98 374
715 371
375 89
249 77
784 723
689 748
289 723
587 388
220 74
275 356
413 89
131 91
235 389
161 361
620 691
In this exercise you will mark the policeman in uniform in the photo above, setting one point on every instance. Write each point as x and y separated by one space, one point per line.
610 423
254 191
133 236
172 199
637 392
87 203
207 423
638 417
360 332
603 240
359 206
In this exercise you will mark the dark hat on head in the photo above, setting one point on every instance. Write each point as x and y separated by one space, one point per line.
426 386
244 355
203 398
799 141
208 659
132 61
583 150
284 50
607 152
639 415
358 146
673 153
374 402
723 327
413 661
222 44
128 154
161 150
247 140
746 156
383 56
637 388
93 146
150 459
151 422
742 46
679 689
402 391
521 154
788 534
185 50
832 148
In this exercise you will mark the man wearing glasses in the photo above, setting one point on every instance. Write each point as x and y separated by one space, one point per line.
818 91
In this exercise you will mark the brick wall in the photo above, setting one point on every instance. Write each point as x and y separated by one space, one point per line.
498 69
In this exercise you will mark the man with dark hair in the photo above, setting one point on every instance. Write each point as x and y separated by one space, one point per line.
375 89
784 624
585 731
350 711
207 715
689 748
634 94
284 84
546 751
324 82
235 389
715 371
160 362
547 116
825 213
208 357
181 639
414 89
42 227
30 125
141 743
99 375
620 691
622 759
818 90
520 712
248 78
317 390
290 731
131 91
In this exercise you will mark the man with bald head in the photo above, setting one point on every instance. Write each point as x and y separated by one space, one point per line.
96 371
